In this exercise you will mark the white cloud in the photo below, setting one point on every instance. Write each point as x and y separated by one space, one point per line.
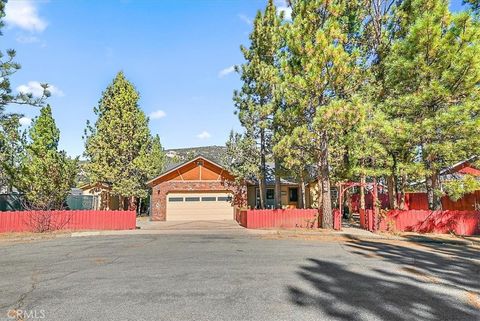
35 88
204 135
25 121
157 114
226 71
245 19
24 15
27 39
282 6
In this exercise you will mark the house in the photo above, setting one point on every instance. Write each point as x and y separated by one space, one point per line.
196 189
102 197
201 188
290 190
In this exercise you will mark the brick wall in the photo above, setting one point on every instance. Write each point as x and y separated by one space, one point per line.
160 191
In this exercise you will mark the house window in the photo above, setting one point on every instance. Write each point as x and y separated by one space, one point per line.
224 198
192 199
270 193
209 199
293 195
270 201
175 199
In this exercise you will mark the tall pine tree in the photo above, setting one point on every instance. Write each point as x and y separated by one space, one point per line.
432 77
320 80
46 174
255 101
119 147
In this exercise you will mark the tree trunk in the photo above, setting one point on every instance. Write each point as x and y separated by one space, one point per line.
278 191
303 197
362 192
263 171
319 199
327 217
392 195
434 202
403 182
348 200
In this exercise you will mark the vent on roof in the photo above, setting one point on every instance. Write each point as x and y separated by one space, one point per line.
200 163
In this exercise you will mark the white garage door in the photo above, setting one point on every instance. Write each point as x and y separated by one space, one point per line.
199 206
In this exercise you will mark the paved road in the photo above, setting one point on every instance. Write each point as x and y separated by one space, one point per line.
237 277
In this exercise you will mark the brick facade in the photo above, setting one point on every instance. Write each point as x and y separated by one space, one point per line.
160 191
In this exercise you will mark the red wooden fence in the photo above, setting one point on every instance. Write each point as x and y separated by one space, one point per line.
424 221
282 218
419 201
31 221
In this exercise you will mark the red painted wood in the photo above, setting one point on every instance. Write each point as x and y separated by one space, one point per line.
281 218
424 221
363 219
23 221
337 220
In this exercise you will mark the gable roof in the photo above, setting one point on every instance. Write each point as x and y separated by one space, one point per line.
462 168
180 165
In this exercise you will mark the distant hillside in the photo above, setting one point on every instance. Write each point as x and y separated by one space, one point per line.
177 156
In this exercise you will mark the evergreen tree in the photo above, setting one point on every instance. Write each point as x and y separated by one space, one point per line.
241 159
320 78
12 149
119 144
10 135
255 101
45 174
432 77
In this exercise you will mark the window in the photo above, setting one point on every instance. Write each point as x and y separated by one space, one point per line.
192 199
293 194
175 199
209 199
224 199
270 193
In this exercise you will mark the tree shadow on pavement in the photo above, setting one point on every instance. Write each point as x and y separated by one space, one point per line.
422 285
457 265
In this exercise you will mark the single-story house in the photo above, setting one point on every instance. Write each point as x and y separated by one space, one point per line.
102 197
291 196
195 189
201 188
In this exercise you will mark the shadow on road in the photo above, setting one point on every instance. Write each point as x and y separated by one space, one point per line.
434 282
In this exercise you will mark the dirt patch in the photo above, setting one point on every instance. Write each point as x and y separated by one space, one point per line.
473 299
100 261
304 237
426 277
21 237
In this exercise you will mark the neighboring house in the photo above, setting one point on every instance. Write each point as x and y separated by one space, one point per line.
102 197
460 169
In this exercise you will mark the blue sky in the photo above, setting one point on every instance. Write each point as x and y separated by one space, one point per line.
179 54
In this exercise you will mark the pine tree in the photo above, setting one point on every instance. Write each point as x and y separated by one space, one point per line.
255 101
119 144
10 135
241 159
320 77
12 150
45 174
432 77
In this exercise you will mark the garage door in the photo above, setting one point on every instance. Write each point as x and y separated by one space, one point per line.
199 206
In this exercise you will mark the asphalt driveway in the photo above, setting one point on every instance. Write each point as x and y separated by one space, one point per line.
237 277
